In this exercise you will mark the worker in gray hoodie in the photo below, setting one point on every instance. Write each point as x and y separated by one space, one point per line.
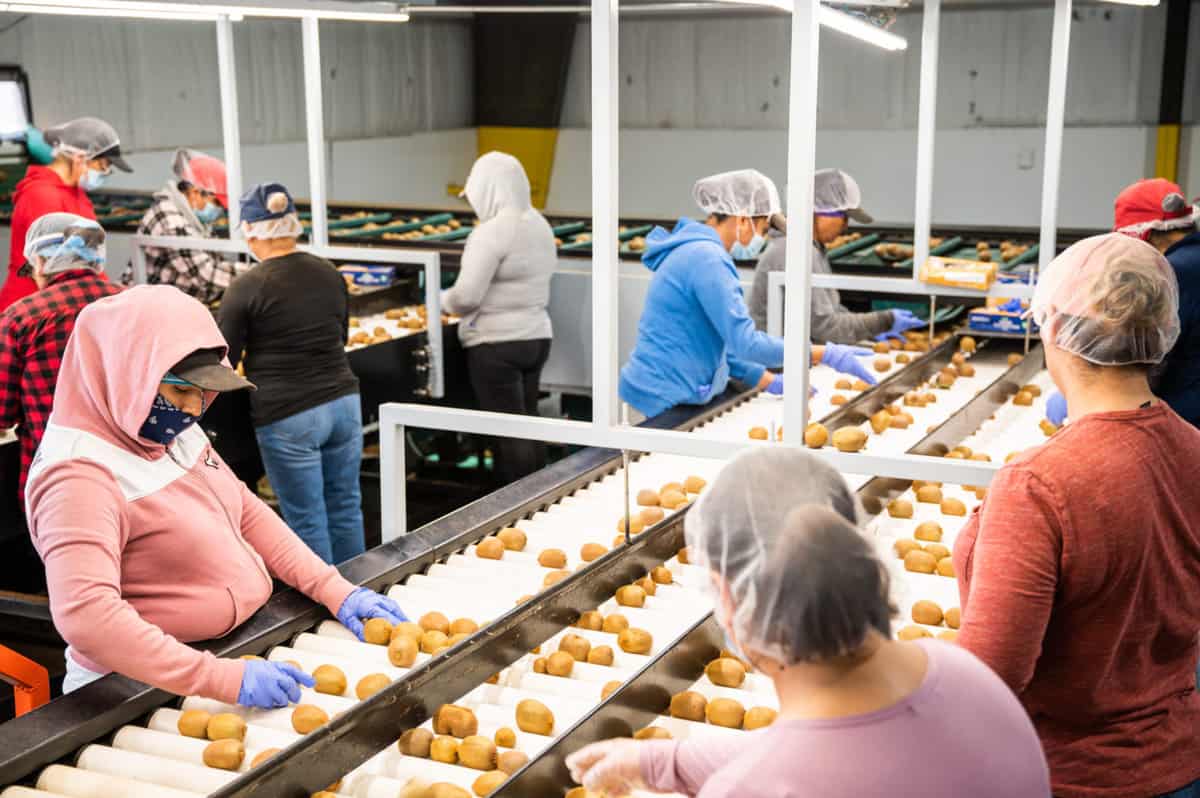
502 291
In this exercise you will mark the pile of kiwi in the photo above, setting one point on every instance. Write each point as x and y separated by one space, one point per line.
893 251
929 613
727 712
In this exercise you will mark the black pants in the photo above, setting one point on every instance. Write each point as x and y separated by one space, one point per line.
505 377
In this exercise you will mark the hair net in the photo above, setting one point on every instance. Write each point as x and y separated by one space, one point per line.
1110 299
745 192
779 527
835 191
82 247
89 137
497 183
202 171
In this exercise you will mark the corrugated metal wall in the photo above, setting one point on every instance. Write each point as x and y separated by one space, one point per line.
732 73
157 81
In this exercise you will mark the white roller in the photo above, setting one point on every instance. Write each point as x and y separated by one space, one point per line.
25 792
354 670
257 738
164 772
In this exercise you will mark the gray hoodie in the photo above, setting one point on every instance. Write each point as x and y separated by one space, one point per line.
503 285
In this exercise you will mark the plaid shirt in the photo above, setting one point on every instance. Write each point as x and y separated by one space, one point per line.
203 275
33 334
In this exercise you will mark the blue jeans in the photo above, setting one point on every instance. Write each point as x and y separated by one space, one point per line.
312 460
1190 791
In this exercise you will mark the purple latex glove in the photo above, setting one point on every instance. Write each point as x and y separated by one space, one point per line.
271 685
776 386
901 320
365 603
845 359
1056 409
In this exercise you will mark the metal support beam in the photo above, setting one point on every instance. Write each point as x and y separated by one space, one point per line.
605 264
1060 45
802 158
926 131
231 134
314 116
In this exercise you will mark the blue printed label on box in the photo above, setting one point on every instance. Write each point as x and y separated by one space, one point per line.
369 275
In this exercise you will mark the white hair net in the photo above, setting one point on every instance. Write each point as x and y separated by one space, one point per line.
65 241
745 192
835 191
1110 299
779 528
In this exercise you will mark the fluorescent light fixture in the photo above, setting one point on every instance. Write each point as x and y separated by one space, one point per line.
860 29
388 12
1143 3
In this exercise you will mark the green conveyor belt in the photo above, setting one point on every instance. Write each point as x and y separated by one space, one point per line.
398 227
120 218
634 232
568 229
948 245
1028 256
453 235
576 246
853 246
348 224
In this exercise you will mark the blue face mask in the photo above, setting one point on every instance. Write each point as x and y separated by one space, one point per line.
165 422
92 180
209 213
749 251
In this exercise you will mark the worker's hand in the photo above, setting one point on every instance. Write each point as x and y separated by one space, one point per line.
775 387
1056 409
271 685
901 320
611 767
365 603
846 360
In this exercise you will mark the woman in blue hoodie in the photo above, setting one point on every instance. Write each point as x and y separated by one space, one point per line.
695 333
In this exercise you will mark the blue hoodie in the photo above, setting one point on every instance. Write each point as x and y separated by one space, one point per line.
1178 382
695 332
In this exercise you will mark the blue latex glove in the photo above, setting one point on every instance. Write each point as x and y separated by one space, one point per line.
1056 409
365 603
271 685
901 320
35 144
845 359
1012 306
776 386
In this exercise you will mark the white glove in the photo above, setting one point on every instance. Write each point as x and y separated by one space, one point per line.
612 767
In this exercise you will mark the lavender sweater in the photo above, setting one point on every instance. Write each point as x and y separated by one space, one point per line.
962 732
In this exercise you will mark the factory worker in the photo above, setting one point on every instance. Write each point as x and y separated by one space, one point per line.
149 539
1094 625
288 320
64 255
85 151
502 291
695 333
836 200
188 205
801 595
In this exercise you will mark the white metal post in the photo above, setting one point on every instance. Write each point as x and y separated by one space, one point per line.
605 265
802 159
314 114
393 481
433 317
1060 45
926 130
230 127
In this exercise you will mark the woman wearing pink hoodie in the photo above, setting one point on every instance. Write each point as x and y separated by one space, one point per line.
148 539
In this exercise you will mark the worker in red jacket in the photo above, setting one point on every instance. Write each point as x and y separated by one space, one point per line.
85 152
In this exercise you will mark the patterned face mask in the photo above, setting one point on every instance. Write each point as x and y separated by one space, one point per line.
165 422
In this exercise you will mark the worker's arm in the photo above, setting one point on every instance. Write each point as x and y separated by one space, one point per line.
684 767
1008 600
12 367
78 525
480 259
288 557
720 296
233 317
745 372
843 327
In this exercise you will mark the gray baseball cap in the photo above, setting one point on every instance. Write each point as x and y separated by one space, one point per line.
90 137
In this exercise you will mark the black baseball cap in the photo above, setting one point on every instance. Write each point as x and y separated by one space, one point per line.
204 369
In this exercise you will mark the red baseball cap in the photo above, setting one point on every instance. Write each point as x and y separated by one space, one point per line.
1149 205
202 171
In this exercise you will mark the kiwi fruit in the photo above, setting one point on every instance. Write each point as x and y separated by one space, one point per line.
881 421
688 705
945 380
377 631
592 620
913 399
952 455
758 717
900 508
539 665
224 754
673 499
609 688
981 493
927 612
726 672
647 498
615 623
683 555
881 348
1047 427
456 721
600 655
903 358
953 506
487 783
816 436
1015 358
928 494
635 641
949 635
554 577
552 558
953 617
842 384
512 538
477 753
636 526
651 516
647 584
966 370
694 484
578 647
434 622
921 562
402 653
913 633
444 749
592 551
263 756
1023 399
194 723
631 596
903 546
560 663
371 684
511 761
929 531
306 717
937 550
945 567
534 717
1032 390
675 486
725 712
415 742
967 344
463 626
330 679
661 575
408 629
432 640
837 399
490 549
226 726
849 439
980 457
505 737
652 733
881 364
759 434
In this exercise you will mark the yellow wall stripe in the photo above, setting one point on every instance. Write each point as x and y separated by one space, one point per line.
1166 153
532 146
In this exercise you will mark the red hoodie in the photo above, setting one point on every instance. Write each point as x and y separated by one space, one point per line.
41 191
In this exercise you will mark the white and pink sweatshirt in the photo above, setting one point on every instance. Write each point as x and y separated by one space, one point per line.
149 547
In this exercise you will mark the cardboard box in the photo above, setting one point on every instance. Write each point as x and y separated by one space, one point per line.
369 274
958 273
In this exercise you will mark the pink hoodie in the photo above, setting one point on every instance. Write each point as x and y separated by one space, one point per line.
146 546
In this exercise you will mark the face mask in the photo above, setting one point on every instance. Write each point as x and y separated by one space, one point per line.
92 180
165 422
209 213
749 251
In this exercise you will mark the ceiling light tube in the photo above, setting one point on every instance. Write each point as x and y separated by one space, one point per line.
1142 3
209 11
859 29
81 11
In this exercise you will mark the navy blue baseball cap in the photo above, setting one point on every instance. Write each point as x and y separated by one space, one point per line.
266 201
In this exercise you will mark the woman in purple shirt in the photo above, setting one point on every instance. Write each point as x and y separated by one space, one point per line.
801 595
